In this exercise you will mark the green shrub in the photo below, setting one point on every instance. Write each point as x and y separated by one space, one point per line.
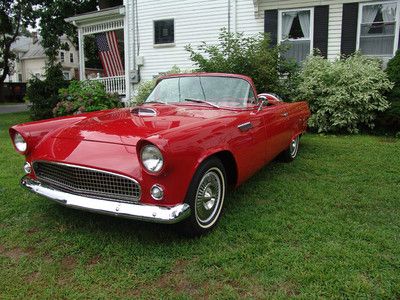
146 87
85 96
143 91
43 94
393 71
345 95
248 55
389 120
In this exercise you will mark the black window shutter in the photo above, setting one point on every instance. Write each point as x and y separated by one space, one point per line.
349 28
321 21
271 25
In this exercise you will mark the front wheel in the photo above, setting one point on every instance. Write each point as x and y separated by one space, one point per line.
205 197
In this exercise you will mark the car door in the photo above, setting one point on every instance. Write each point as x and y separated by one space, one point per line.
277 129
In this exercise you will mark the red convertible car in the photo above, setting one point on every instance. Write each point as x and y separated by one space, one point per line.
169 160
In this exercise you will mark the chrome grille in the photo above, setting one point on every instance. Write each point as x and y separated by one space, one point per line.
87 182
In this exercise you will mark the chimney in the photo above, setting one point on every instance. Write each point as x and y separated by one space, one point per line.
34 37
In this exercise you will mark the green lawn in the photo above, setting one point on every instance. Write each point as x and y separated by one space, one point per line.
326 225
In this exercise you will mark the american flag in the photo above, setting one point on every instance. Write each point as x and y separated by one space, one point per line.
107 44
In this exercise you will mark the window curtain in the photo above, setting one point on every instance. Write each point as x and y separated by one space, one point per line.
369 15
382 42
287 22
304 18
389 12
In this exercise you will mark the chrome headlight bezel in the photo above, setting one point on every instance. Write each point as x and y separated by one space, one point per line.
19 142
152 159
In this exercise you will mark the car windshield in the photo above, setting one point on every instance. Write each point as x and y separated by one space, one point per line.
214 90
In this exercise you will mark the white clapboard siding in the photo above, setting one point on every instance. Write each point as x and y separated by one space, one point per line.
201 20
247 21
335 30
195 21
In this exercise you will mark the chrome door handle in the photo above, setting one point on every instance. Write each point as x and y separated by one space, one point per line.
245 126
285 114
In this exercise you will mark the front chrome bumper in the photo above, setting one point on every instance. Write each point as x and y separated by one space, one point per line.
152 213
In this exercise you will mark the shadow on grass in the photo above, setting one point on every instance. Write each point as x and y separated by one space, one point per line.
117 229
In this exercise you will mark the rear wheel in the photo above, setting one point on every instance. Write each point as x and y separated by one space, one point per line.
291 152
205 197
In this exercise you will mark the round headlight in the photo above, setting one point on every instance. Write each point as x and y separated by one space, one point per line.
20 143
152 158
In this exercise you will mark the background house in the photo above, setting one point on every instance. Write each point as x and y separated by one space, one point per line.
151 35
31 59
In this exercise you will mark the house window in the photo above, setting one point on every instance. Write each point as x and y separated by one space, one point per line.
62 56
378 29
295 31
164 32
71 57
19 77
66 75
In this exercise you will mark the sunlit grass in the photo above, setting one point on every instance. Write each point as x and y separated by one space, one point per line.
326 225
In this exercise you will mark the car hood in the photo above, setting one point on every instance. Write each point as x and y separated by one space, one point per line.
124 126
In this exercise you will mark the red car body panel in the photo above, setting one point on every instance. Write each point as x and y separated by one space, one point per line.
186 134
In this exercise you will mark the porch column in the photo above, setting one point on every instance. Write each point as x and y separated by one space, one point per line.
127 64
81 55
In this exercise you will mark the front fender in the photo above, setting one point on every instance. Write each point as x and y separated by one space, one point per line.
34 132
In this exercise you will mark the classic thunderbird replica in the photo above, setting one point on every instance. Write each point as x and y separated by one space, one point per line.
169 160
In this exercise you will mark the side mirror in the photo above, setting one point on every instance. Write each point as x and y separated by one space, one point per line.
263 101
270 99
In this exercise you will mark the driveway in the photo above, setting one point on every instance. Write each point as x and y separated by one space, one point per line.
12 108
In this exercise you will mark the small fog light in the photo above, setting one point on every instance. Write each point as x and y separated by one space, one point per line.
157 192
27 168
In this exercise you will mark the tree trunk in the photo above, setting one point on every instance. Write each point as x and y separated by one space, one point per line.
1 93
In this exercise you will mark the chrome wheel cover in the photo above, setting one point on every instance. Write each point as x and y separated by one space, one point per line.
209 197
294 147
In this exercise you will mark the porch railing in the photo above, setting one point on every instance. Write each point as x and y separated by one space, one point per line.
114 84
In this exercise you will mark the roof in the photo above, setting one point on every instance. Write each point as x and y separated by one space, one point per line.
30 49
35 51
22 44
107 13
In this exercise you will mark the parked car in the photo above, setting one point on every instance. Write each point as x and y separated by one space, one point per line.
169 160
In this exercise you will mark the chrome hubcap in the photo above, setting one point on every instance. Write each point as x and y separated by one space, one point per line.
294 146
208 197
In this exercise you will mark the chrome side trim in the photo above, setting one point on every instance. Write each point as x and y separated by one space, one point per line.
151 213
245 126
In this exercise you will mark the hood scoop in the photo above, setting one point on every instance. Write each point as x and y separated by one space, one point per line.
144 112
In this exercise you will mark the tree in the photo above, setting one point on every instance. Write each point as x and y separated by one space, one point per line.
53 25
248 55
15 17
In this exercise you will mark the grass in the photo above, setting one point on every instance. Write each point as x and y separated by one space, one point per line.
326 225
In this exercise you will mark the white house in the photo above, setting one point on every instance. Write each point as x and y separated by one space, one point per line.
153 33
31 59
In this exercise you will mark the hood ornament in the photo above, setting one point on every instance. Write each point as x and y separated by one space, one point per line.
144 112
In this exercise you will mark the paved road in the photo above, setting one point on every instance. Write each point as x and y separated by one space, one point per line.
11 108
